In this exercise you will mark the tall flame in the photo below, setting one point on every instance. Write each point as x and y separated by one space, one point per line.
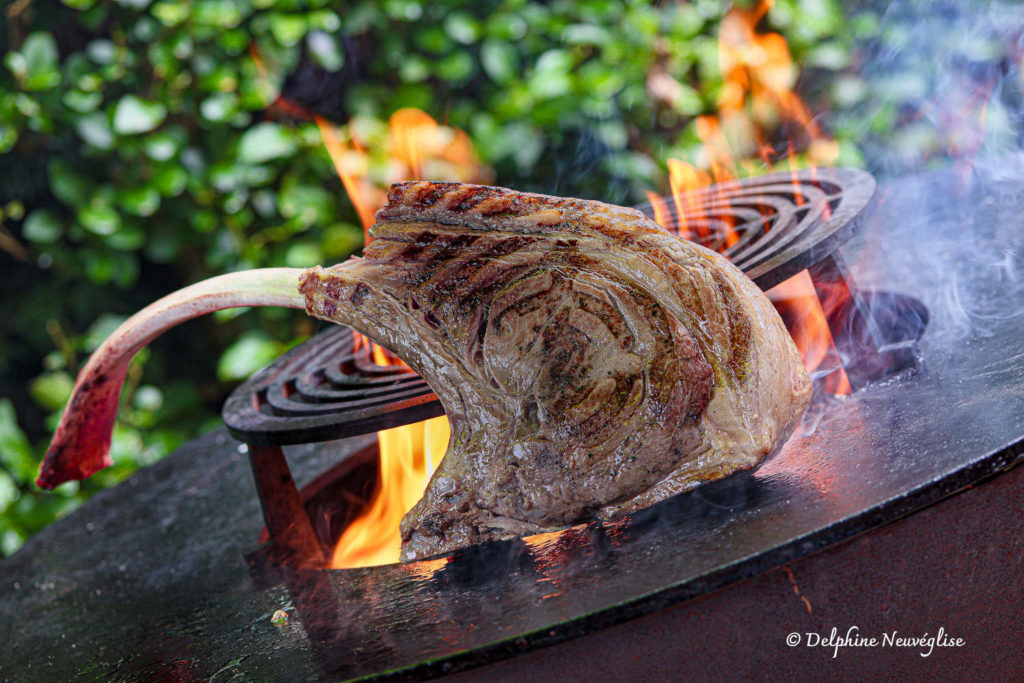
417 147
797 299
352 167
757 95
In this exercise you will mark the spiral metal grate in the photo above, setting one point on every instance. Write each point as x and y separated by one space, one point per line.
326 388
774 226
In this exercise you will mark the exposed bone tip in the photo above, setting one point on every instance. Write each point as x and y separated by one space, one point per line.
81 444
79 449
54 471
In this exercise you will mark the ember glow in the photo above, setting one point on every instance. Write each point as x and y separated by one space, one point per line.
758 97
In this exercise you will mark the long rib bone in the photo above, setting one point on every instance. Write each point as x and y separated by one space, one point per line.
81 443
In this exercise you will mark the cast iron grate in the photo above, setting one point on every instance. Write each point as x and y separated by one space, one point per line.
773 226
328 387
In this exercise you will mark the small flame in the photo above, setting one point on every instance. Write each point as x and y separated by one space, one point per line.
408 456
429 150
414 134
797 299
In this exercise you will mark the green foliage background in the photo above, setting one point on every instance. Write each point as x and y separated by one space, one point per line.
139 155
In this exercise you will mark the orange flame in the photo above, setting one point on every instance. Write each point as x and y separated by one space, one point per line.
351 165
797 300
408 456
413 135
757 96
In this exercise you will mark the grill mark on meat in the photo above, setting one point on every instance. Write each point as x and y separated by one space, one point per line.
739 337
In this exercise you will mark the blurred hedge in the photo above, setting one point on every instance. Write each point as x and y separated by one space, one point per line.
140 152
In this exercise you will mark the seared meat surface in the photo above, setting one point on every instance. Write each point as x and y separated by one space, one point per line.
590 362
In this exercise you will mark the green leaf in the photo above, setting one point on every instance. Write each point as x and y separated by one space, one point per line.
222 14
125 445
500 60
15 451
146 29
219 107
101 328
288 29
455 67
99 218
35 65
264 142
142 201
148 398
324 49
341 239
171 12
102 51
95 130
249 353
70 186
433 39
303 255
51 389
578 34
82 102
8 490
170 180
462 28
160 146
136 115
306 204
43 226
414 69
324 20
128 238
8 137
551 78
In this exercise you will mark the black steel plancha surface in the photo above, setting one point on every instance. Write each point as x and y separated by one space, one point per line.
148 579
